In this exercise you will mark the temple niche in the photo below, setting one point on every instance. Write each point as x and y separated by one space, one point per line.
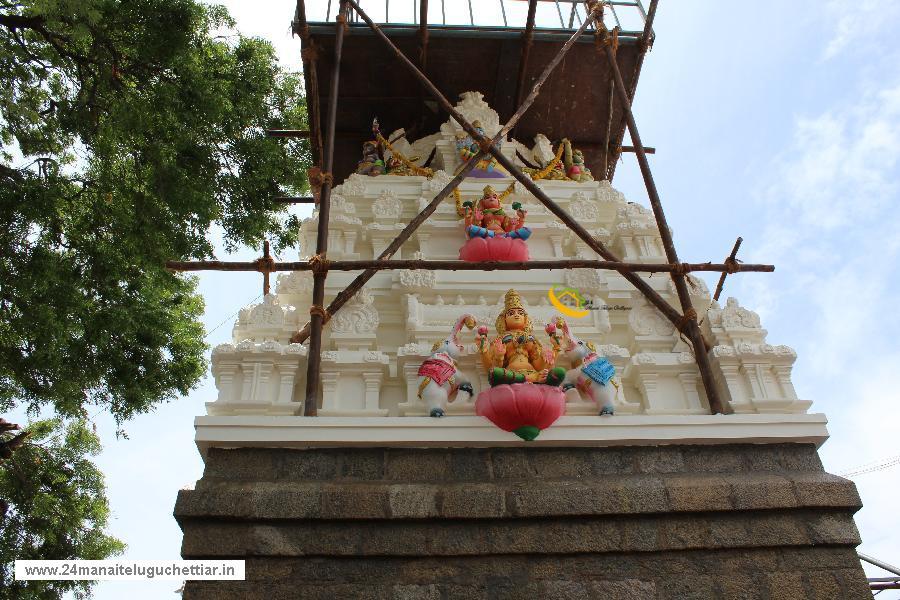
374 345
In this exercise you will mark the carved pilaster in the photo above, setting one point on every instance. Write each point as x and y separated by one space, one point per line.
412 406
753 373
648 384
691 392
350 242
556 240
783 377
329 382
733 380
225 380
288 375
372 380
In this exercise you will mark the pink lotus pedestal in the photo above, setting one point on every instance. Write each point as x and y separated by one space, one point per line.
491 249
522 408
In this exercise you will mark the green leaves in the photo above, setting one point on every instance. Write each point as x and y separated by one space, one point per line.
129 132
53 507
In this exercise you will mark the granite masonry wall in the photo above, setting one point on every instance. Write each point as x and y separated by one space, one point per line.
666 522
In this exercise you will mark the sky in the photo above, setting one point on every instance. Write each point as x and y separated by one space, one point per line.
778 122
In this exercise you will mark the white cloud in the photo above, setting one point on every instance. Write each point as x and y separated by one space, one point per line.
839 167
831 204
857 23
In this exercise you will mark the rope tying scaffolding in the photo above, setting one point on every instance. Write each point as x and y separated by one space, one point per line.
317 180
681 269
343 21
732 265
689 315
606 37
315 309
318 263
265 264
304 32
310 54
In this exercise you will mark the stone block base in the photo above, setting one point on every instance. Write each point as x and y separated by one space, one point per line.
732 521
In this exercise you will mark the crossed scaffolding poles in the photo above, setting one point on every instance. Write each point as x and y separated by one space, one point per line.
685 321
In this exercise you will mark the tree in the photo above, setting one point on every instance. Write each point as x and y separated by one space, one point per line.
130 133
53 505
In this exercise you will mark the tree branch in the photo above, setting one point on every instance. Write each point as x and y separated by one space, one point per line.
21 22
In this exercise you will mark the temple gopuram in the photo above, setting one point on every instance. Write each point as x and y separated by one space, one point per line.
488 374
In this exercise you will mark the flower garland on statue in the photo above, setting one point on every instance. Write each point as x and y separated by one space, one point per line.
406 162
512 186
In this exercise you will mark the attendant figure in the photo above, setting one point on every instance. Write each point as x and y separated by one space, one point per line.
439 377
574 161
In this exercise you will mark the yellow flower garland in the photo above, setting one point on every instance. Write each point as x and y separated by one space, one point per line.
408 163
550 166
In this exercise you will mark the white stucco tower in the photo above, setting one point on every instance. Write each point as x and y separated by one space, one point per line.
374 345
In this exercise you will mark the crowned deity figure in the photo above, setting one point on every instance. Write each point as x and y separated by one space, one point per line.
515 355
487 219
467 147
371 163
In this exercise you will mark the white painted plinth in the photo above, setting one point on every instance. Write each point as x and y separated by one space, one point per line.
471 431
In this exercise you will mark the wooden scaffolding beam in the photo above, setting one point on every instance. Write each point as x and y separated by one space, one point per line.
317 315
382 264
689 324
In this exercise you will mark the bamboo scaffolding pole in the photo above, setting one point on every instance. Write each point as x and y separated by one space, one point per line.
361 279
689 325
526 181
594 244
309 52
647 149
317 315
344 296
423 34
458 265
527 42
732 262
264 266
608 135
644 44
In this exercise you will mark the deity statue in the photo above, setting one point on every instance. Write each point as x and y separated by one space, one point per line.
515 355
371 163
574 161
468 147
487 219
